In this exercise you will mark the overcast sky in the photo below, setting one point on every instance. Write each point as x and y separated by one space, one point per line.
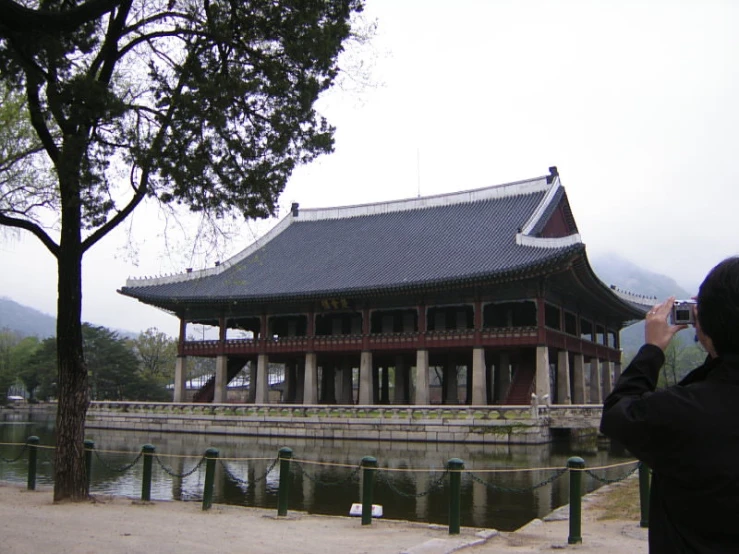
636 102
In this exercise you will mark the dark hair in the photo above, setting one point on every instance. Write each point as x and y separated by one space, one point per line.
718 306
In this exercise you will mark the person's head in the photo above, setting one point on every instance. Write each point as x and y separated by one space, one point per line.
718 307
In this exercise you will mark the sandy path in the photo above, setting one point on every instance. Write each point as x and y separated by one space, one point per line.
32 523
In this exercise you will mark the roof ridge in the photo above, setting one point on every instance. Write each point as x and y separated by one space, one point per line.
505 190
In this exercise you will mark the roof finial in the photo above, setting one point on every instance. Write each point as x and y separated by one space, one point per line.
553 172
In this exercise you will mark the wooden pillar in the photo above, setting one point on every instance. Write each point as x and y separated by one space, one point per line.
219 394
578 374
310 376
262 380
543 380
563 377
421 392
180 379
365 378
479 385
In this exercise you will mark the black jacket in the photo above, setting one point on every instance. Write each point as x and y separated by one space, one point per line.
689 435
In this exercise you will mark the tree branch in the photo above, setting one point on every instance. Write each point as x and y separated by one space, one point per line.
37 120
32 228
20 19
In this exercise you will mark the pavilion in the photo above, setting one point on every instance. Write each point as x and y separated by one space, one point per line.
492 284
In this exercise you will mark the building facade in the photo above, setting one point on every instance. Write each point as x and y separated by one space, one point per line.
488 292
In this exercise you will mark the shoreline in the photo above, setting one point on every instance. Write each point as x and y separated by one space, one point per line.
121 525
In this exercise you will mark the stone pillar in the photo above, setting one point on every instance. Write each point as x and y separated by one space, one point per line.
595 386
365 378
578 373
563 378
347 389
543 381
288 392
616 372
310 392
219 393
401 378
328 384
607 377
299 382
252 382
450 385
262 382
421 397
504 374
180 379
479 386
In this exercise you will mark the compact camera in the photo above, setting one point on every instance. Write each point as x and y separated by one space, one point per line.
683 312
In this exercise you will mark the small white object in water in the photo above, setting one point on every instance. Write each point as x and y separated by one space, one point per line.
356 510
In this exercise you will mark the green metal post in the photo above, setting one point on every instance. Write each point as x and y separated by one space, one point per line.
211 455
644 494
368 480
455 467
32 443
148 452
576 466
89 447
282 493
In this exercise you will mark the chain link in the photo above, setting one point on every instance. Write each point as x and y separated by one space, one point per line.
120 469
12 460
386 479
608 481
246 481
169 471
500 488
351 477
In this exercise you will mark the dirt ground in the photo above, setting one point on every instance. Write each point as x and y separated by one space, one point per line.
31 522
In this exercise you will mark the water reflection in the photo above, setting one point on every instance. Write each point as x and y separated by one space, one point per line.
246 474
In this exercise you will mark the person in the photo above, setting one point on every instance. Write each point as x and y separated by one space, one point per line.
688 434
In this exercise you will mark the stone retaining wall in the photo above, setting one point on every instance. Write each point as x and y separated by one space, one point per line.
463 424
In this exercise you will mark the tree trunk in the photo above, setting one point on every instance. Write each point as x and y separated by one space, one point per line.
69 464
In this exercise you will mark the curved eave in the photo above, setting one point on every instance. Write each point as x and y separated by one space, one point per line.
564 256
603 292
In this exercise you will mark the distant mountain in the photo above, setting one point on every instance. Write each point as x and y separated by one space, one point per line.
26 321
30 322
612 269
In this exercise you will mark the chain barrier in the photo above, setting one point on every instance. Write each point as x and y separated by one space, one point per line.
172 473
120 469
608 481
13 460
381 474
352 477
246 481
559 473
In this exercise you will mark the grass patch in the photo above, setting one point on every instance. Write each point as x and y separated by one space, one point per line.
622 501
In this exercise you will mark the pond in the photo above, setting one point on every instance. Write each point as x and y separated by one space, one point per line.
324 477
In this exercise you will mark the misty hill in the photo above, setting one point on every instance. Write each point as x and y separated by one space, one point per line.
26 321
615 270
30 322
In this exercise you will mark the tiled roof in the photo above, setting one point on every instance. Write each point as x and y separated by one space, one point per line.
383 247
